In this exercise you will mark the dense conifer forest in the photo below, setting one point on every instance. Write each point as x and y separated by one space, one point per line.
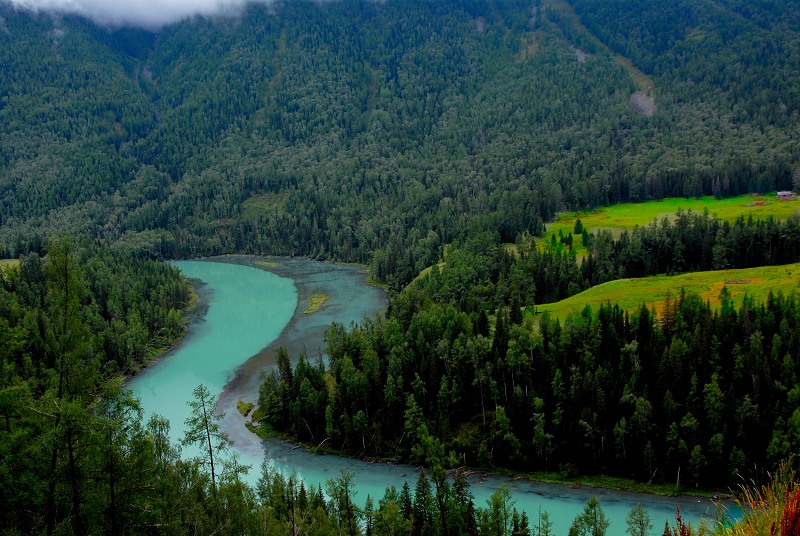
405 135
71 323
711 391
378 132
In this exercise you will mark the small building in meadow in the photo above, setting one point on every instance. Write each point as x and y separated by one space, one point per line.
785 195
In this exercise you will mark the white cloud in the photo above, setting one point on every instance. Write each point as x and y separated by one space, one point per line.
151 14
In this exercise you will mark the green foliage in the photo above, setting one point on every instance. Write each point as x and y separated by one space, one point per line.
654 291
638 521
591 522
609 391
79 460
380 133
390 134
202 430
693 242
72 440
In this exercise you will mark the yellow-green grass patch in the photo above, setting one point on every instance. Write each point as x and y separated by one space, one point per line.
315 302
375 283
630 294
626 216
263 205
529 46
5 264
194 299
642 81
426 271
267 264
244 407
259 426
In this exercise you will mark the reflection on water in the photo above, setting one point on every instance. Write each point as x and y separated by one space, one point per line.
250 309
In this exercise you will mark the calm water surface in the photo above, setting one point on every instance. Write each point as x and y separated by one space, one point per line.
248 308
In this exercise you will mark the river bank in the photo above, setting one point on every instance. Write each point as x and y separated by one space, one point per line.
194 311
479 474
239 311
305 334
350 297
253 312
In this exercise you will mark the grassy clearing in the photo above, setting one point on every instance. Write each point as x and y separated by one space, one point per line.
642 81
626 216
258 427
244 407
263 205
315 302
267 264
426 271
6 264
653 291
375 283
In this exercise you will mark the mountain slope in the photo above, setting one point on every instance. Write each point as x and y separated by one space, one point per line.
374 132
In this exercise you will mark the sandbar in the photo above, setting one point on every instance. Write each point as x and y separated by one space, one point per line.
350 299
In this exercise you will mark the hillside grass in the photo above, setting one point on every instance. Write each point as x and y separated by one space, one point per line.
626 216
426 271
264 205
653 291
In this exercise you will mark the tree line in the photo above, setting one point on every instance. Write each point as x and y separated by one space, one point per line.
691 242
456 375
71 324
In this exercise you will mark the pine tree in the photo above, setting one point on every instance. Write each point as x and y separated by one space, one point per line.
203 430
638 521
591 522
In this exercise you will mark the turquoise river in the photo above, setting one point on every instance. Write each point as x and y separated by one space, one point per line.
246 310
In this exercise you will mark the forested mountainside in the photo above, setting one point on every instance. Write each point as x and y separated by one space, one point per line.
406 134
378 132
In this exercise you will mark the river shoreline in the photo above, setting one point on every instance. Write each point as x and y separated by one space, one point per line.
529 494
194 312
222 335
297 340
601 482
304 334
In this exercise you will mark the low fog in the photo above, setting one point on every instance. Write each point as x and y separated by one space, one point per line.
150 14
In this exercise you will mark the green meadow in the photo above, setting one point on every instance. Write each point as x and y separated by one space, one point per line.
626 216
654 291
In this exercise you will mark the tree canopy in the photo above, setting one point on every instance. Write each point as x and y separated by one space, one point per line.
379 132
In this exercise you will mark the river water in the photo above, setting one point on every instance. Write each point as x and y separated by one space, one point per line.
247 311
